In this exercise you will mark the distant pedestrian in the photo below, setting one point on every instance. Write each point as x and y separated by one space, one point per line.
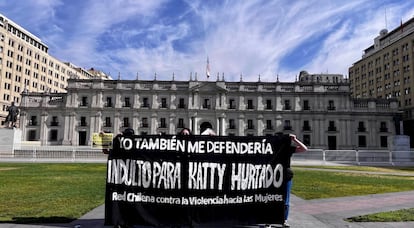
185 131
297 147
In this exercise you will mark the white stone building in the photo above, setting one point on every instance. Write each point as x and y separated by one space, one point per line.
317 108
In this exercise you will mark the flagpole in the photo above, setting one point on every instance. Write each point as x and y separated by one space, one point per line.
208 68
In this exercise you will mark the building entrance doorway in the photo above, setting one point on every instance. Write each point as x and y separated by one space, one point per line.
332 142
82 138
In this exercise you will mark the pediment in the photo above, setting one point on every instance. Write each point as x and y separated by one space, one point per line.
210 87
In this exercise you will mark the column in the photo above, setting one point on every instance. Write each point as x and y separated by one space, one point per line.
196 128
117 124
154 124
223 126
135 122
259 125
241 125
171 128
43 128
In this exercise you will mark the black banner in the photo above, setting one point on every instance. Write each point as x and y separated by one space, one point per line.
191 180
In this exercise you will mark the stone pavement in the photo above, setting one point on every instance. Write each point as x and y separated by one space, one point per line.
319 213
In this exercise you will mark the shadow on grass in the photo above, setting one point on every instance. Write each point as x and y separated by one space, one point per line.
40 220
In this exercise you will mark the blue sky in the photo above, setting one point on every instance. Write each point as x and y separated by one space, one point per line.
249 38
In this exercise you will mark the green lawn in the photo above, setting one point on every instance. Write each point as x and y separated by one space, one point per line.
49 192
60 193
315 184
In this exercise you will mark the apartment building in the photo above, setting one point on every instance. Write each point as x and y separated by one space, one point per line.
25 65
386 70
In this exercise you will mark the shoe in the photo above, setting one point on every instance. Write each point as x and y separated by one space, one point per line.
286 224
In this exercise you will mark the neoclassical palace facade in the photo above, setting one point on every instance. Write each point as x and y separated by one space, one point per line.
317 108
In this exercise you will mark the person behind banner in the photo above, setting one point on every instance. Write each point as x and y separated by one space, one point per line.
115 143
297 147
185 131
208 131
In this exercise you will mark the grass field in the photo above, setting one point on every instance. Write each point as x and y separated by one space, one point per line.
58 193
49 192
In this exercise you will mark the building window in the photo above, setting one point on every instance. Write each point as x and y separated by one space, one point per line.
108 122
306 105
55 121
84 101
144 122
287 125
31 135
250 104
108 102
126 122
269 125
181 123
53 135
306 125
269 104
232 104
361 126
331 126
362 141
250 124
33 121
206 104
127 102
287 105
307 140
163 102
232 124
163 123
383 127
181 103
83 121
145 103
331 105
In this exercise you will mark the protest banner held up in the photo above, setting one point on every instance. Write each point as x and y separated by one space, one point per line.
188 180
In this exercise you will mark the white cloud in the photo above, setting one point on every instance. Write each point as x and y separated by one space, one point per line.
240 37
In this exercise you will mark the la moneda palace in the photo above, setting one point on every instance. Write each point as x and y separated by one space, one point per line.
317 108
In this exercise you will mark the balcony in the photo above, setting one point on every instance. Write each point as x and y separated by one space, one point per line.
306 128
33 123
54 123
206 106
287 128
362 129
332 128
83 104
